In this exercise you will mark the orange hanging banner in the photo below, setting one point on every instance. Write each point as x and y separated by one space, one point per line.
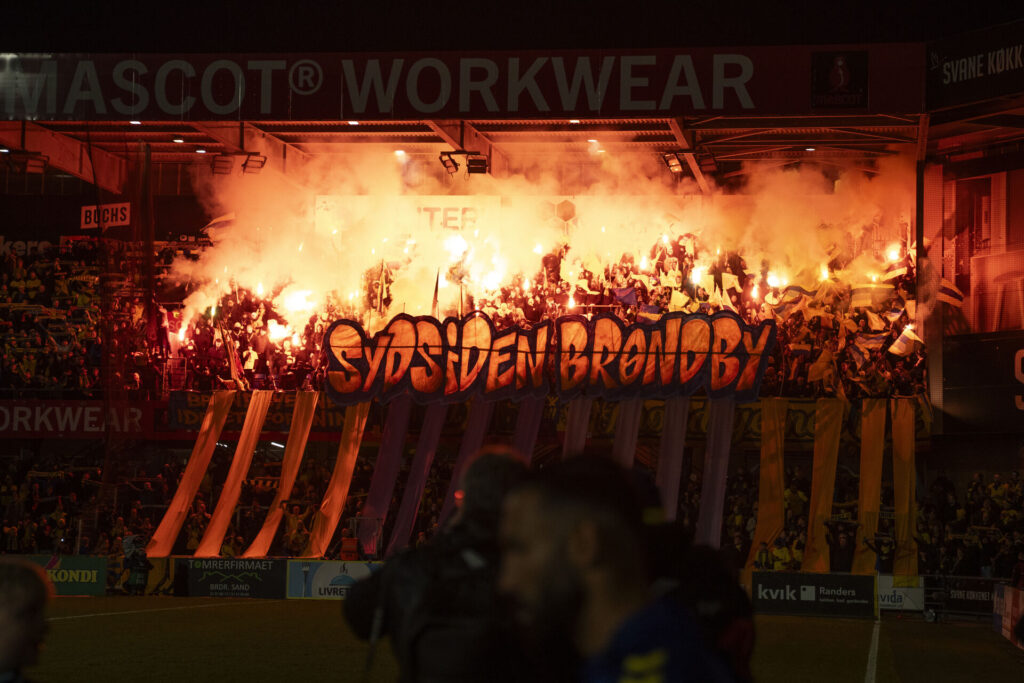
298 436
872 451
770 512
828 424
162 543
903 484
326 520
252 427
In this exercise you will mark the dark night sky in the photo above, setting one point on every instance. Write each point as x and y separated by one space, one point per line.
262 26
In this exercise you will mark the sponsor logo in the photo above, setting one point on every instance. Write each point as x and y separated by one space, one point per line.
22 247
807 593
73 575
786 593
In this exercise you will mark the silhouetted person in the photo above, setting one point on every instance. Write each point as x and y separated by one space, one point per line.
24 592
573 563
438 602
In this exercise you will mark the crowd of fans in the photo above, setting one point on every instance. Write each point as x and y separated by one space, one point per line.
73 323
830 340
977 533
83 318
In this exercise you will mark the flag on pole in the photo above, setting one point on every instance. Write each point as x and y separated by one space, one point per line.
234 361
437 283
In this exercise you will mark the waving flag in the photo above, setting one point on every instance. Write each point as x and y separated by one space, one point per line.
949 293
800 349
649 314
730 281
679 300
625 295
859 355
871 342
894 313
874 322
864 296
821 368
906 343
895 270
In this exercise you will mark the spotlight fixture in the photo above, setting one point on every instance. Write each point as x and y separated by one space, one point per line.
178 140
353 123
200 151
253 163
223 164
447 160
135 123
808 149
672 160
4 150
476 164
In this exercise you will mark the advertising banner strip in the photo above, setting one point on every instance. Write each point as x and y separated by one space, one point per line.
562 84
74 574
385 472
577 424
213 538
827 595
958 594
670 453
872 450
325 580
298 436
477 424
903 478
236 578
326 519
75 419
627 428
531 411
450 361
426 447
828 424
770 510
162 542
716 467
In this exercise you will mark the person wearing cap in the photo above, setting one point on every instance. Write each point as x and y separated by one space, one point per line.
24 593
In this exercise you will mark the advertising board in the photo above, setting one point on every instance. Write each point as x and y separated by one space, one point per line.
325 580
831 595
236 578
74 574
900 598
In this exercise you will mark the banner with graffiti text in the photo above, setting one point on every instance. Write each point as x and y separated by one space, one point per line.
677 355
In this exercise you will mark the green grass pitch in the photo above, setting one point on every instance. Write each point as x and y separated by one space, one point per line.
210 639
